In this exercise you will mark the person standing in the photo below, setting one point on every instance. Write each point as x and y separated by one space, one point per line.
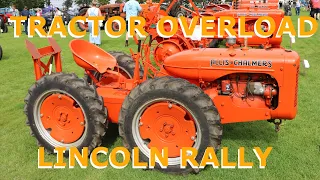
26 13
94 11
131 8
57 12
316 8
298 5
39 12
15 12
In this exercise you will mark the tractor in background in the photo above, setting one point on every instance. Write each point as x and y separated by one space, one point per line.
164 47
3 23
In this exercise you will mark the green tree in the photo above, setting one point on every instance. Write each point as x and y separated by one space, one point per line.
102 2
68 3
5 3
82 2
47 2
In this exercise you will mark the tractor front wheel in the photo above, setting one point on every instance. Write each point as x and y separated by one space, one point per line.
64 111
173 113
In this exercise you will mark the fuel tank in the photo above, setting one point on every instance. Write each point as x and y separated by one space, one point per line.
212 63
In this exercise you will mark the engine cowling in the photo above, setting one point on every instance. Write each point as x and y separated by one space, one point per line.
249 80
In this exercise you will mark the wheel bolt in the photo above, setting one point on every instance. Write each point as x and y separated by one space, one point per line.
173 133
59 96
170 105
41 115
171 125
62 141
161 130
81 123
165 123
141 123
166 135
193 138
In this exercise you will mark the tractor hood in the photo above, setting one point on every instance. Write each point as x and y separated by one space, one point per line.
212 63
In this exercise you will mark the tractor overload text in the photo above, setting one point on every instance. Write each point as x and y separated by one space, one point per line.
167 26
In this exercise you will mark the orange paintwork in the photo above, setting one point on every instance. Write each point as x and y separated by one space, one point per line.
97 59
54 51
66 121
259 6
244 84
185 43
278 63
169 127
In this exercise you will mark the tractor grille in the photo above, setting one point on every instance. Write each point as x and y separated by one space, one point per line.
296 91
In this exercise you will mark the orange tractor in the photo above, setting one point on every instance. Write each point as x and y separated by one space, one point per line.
182 104
164 47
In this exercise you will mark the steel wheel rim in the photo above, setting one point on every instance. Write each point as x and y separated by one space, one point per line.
43 132
142 143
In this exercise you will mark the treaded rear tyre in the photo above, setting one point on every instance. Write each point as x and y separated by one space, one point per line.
190 96
126 66
85 98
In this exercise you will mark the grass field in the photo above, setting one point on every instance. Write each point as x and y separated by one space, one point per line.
295 154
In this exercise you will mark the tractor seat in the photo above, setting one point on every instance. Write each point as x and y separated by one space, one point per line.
91 57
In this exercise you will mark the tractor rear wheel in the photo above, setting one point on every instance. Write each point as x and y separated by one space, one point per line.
64 111
126 66
169 112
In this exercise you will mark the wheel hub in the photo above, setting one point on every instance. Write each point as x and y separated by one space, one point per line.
164 50
167 125
62 118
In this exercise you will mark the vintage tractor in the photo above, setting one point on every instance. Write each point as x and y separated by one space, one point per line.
183 104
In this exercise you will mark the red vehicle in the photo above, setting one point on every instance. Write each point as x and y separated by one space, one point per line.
3 23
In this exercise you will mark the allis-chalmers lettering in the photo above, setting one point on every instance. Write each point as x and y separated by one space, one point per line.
257 63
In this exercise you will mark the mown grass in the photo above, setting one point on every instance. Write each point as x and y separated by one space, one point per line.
295 154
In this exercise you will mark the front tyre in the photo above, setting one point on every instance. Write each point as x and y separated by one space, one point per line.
169 112
64 111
